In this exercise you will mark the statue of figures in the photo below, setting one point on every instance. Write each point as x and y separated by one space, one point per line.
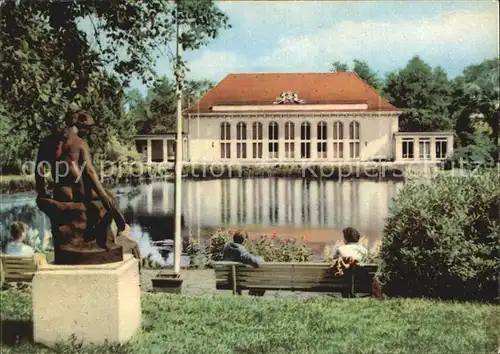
289 97
79 208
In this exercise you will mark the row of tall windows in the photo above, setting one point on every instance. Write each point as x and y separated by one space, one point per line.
424 148
322 135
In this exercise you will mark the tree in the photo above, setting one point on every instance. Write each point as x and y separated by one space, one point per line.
423 94
156 113
475 104
367 74
51 64
337 66
194 90
363 70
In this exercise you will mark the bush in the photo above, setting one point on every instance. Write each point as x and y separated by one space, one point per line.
442 238
478 153
271 248
149 263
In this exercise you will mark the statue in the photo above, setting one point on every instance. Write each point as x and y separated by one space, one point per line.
289 97
80 210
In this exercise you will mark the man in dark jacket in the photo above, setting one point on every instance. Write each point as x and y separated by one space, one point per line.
234 251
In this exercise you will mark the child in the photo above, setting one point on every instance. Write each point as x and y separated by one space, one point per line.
16 247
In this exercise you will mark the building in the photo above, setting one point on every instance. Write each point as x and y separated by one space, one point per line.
158 148
302 117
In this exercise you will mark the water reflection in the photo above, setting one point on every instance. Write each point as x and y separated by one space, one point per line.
288 203
291 203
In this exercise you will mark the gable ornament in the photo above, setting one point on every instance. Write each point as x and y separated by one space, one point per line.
289 97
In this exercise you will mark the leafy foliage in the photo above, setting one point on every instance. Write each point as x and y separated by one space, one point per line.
65 55
423 93
270 248
156 112
363 70
477 153
338 66
476 100
441 238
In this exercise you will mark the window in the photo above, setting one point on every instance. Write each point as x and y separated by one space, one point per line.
441 148
225 140
322 137
257 140
354 140
241 137
273 140
338 144
305 140
289 140
424 146
408 149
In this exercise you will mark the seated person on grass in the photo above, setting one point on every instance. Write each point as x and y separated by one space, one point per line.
351 247
234 251
17 247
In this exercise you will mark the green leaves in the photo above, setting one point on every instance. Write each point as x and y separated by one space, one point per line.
423 93
50 64
441 238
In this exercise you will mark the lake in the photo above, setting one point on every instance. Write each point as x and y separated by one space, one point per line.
315 209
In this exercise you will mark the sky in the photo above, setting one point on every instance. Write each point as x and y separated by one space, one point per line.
308 36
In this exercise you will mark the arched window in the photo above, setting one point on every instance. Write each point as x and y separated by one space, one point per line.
322 136
257 140
241 137
354 140
273 140
289 140
225 140
338 137
305 140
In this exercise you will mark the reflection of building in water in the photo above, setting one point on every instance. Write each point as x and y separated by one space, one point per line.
275 202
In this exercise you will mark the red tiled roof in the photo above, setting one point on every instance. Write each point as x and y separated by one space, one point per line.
314 88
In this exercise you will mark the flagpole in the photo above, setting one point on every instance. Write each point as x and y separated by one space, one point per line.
178 155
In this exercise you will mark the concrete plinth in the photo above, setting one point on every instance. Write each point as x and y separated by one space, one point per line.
87 303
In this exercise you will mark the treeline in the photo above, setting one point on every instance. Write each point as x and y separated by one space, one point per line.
430 101
60 56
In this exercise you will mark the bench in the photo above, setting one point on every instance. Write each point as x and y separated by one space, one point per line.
308 277
19 269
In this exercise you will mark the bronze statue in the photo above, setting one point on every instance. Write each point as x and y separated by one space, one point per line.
79 208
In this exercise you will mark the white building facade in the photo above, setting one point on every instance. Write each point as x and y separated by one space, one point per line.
300 118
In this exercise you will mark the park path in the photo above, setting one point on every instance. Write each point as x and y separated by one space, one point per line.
200 282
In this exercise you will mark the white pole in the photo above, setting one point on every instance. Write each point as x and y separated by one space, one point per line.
178 159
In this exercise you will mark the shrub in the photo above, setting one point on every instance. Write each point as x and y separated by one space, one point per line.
442 238
194 250
272 249
478 153
149 263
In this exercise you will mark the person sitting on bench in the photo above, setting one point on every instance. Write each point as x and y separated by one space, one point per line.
17 247
351 247
234 251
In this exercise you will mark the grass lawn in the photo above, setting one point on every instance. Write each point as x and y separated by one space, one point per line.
232 324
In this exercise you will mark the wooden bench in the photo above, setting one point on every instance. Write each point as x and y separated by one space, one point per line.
309 277
19 269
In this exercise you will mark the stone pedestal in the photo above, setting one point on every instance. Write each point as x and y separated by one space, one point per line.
91 303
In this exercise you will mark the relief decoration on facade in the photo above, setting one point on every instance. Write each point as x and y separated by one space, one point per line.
289 97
